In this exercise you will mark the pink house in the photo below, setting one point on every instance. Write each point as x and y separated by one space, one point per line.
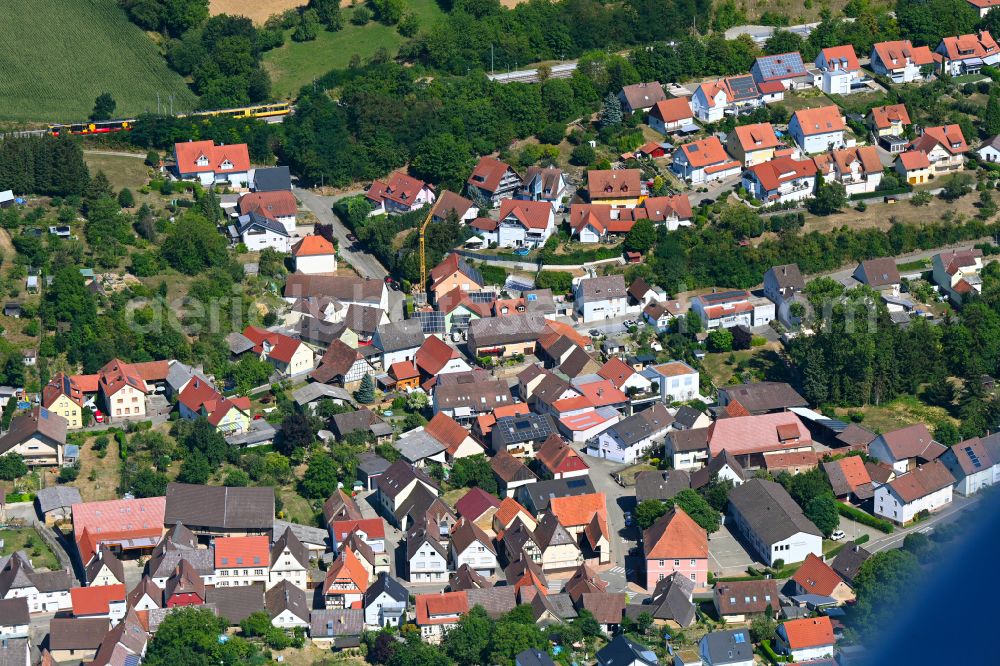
676 543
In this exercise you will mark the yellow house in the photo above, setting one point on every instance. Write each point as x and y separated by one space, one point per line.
753 144
231 417
914 166
288 355
621 188
891 120
64 397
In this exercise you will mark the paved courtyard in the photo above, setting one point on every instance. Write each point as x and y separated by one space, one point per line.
726 553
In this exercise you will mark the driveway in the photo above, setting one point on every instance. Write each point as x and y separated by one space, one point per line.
726 553
895 540
322 207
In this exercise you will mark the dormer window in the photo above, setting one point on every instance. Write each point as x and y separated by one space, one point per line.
226 165
202 160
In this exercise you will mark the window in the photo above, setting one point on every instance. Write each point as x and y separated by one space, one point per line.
661 563
660 577
693 562
677 563
693 577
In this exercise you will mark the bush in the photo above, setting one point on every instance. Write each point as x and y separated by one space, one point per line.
361 15
859 516
583 155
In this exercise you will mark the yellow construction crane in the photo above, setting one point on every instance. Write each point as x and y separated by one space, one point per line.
423 253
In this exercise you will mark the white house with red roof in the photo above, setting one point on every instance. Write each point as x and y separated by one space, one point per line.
279 205
399 193
806 639
201 399
670 115
493 181
314 255
369 530
242 560
900 60
674 211
289 356
944 146
957 272
439 612
818 130
781 180
123 389
210 164
592 223
711 99
703 161
840 68
520 224
858 169
967 54
983 7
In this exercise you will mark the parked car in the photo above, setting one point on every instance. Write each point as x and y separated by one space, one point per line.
594 333
628 519
352 238
838 535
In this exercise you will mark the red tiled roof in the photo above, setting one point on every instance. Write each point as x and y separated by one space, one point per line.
949 137
675 536
758 136
816 577
773 173
398 187
189 152
62 384
312 246
672 110
913 160
430 607
578 511
347 568
96 522
485 224
488 173
433 355
117 374
616 371
531 214
854 471
894 55
705 152
835 54
658 209
95 600
280 203
283 347
886 116
373 527
604 217
509 509
446 430
559 457
401 370
602 393
820 120
979 45
244 551
809 632
770 87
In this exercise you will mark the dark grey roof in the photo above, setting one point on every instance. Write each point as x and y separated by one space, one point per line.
760 397
686 416
601 288
727 647
362 419
560 605
671 600
578 362
742 597
347 289
399 335
623 651
647 423
372 464
336 622
315 391
71 633
704 475
418 445
57 497
286 596
660 484
416 536
105 559
550 532
770 511
510 430
220 507
272 179
689 440
849 560
307 534
466 578
14 612
788 278
537 495
388 585
533 657
15 652
255 219
399 475
288 540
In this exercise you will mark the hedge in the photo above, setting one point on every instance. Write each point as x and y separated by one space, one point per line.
833 552
769 652
860 516
881 193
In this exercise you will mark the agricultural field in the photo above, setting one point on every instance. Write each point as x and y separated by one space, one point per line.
257 11
90 47
297 63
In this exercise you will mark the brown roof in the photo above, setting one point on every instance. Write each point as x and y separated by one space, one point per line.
433 355
446 430
643 95
295 547
343 288
913 441
340 506
885 116
496 601
488 173
449 202
509 468
466 578
879 272
606 607
77 633
816 577
38 421
105 558
219 507
922 481
185 580
338 359
62 384
398 187
746 596
614 184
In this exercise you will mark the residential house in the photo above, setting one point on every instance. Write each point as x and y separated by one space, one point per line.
362 421
891 120
670 115
785 68
753 144
558 460
465 395
55 503
341 365
454 272
806 638
105 569
289 561
559 550
271 179
671 603
723 466
520 542
608 609
336 629
38 436
957 273
259 232
426 555
673 211
45 591
848 561
457 441
369 530
536 496
101 601
520 224
509 511
521 435
675 544
290 357
585 517
817 577
849 479
399 341
63 396
145 595
471 546
287 606
493 181
479 507
621 188
944 146
511 473
199 399
185 587
347 290
726 648
990 150
688 418
533 657
437 613
630 438
879 274
728 308
242 560
906 448
703 161
968 54
279 206
213 165
712 99
818 130
901 61
104 523
624 377
76 639
641 96
385 603
735 601
592 223
975 464
660 485
781 180
14 618
858 169
983 6
346 581
314 255
449 203
399 193
623 651
544 184
914 166
840 70
925 489
783 285
600 298
394 487
772 523
340 506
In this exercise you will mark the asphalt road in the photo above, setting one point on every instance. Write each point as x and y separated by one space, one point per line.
322 207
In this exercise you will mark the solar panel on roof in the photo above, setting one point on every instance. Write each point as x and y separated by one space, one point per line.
482 296
739 638
431 321
780 65
743 86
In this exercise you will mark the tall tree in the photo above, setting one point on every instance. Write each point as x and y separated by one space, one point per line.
104 107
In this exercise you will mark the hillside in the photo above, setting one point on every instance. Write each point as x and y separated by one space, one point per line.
89 47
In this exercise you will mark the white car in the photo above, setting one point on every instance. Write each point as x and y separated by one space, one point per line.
838 535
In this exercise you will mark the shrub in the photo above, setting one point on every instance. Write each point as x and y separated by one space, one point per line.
859 516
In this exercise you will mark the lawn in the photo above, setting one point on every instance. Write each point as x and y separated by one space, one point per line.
763 362
881 215
130 172
899 413
297 63
99 477
59 55
296 509
39 552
